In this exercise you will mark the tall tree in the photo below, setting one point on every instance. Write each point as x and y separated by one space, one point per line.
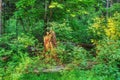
46 14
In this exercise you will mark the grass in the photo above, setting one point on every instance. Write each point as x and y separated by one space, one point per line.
67 75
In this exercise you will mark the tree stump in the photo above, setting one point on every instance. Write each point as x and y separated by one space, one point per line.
50 45
50 41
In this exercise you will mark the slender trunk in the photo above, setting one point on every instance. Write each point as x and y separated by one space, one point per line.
0 17
111 3
107 6
45 15
49 36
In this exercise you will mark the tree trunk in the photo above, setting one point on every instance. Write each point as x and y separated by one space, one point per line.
0 17
45 15
49 37
107 6
111 3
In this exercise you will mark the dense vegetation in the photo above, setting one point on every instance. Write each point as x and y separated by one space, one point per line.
87 32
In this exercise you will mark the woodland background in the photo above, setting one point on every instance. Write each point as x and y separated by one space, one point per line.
87 33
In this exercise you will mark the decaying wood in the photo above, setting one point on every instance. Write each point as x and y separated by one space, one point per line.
53 38
49 41
49 46
88 46
54 69
5 58
88 66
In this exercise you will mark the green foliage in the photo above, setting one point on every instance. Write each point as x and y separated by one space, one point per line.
114 8
62 31
11 25
37 30
25 41
28 14
16 68
102 28
80 27
74 22
56 4
13 43
24 3
68 53
6 42
108 51
108 70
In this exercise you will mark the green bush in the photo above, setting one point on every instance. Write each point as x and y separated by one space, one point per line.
102 28
80 33
68 52
63 32
108 51
108 70
26 40
13 48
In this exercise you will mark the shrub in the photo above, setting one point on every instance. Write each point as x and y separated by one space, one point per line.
26 40
63 32
106 28
70 53
104 70
108 51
